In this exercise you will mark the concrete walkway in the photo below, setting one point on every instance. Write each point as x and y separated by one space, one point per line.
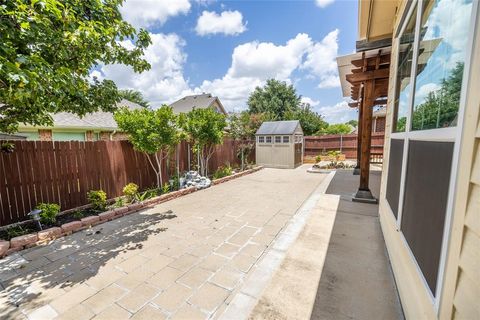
338 267
183 259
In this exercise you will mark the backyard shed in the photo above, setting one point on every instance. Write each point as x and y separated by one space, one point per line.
279 144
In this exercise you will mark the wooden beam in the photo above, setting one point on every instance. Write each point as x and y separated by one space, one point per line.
368 75
359 134
384 59
377 102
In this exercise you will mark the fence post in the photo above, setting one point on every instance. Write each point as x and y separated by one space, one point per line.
341 142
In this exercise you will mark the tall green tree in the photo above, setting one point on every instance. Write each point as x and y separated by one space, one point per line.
339 128
276 98
440 107
153 132
311 121
134 96
47 51
204 129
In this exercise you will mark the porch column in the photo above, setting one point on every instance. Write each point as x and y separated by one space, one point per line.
356 171
364 194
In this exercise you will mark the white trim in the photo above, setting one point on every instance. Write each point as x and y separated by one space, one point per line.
456 154
439 134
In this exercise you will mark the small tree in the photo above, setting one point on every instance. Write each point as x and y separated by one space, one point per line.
242 128
204 129
153 132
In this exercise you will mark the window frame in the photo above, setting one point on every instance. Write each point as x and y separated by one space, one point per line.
261 139
283 139
279 138
268 138
447 134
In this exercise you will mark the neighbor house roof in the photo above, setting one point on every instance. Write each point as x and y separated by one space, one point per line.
278 127
95 120
187 103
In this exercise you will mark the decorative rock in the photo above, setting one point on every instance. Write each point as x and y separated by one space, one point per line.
90 221
71 226
4 246
21 241
107 215
50 233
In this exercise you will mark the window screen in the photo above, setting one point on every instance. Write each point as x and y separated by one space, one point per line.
261 139
278 139
425 203
286 139
268 139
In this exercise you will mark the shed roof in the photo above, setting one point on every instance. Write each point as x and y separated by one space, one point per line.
278 127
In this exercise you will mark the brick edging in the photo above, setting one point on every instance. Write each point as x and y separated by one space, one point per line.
41 237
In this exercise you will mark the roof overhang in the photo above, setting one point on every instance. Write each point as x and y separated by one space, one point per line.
376 21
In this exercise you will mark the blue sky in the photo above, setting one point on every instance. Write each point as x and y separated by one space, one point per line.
228 47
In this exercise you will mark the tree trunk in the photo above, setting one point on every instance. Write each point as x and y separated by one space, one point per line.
159 172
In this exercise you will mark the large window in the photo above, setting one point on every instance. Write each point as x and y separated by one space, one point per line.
441 56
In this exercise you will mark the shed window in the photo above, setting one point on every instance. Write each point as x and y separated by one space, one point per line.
286 139
278 139
261 139
268 139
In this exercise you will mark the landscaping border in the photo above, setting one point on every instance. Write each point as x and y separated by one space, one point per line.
41 237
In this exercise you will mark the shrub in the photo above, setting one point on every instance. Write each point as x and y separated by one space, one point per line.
49 212
223 172
77 214
318 158
17 231
130 191
165 188
119 203
98 199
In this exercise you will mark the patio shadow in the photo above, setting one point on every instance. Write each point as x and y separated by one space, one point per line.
71 260
356 281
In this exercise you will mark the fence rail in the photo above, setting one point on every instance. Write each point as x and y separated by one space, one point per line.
63 172
347 144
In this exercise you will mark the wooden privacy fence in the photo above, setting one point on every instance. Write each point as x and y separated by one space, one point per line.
346 143
63 172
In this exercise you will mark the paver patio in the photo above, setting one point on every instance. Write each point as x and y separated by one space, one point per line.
183 259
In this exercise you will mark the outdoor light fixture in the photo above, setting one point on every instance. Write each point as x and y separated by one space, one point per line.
35 214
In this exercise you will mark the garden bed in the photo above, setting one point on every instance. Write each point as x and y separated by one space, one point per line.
67 223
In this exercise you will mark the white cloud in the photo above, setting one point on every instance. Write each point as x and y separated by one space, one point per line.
145 13
310 101
252 64
266 60
422 93
321 61
324 3
227 22
164 81
338 113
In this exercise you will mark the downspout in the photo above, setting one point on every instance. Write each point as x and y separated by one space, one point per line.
111 134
